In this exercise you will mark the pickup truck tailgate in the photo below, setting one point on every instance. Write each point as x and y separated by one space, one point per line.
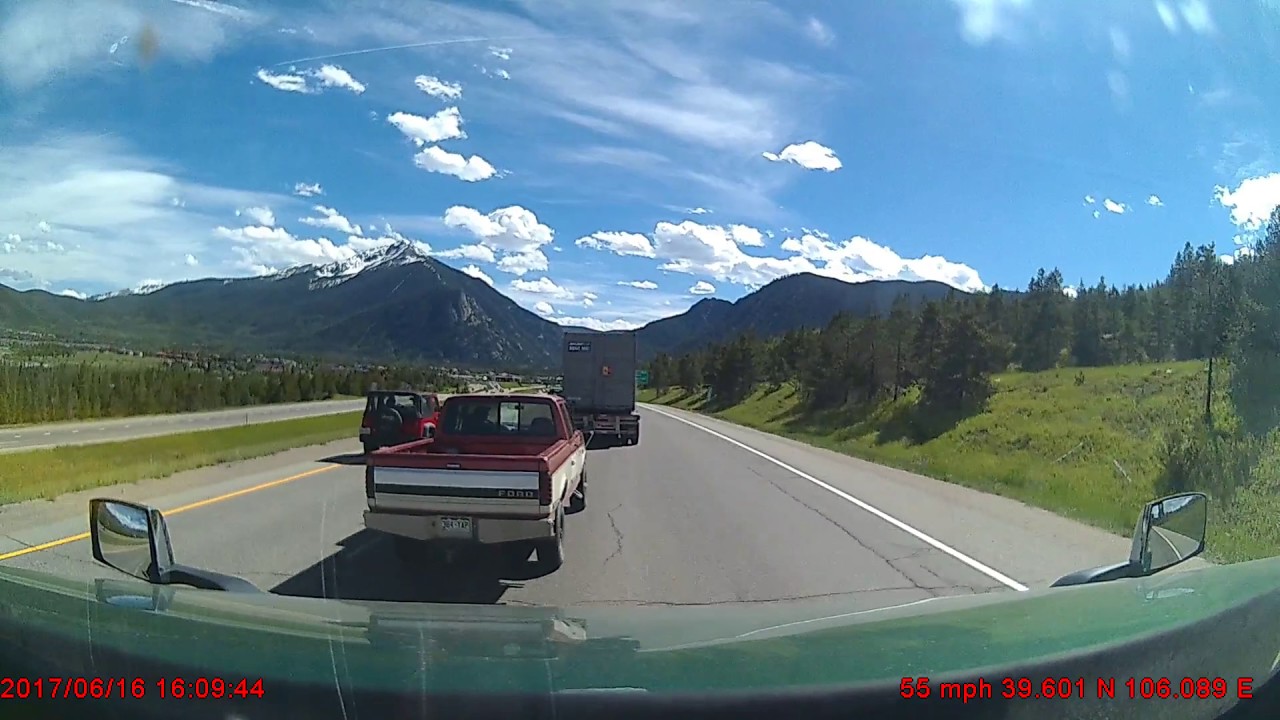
421 490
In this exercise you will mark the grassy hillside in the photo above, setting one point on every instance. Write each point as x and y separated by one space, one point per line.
1084 443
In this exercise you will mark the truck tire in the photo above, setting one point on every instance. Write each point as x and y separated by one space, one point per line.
551 550
578 500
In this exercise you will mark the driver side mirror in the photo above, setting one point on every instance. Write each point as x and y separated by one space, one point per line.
131 538
1170 531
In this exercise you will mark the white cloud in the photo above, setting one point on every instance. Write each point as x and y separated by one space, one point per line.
512 231
476 253
543 286
500 53
1197 17
334 76
287 82
1097 214
437 88
471 169
523 262
308 189
717 252
619 243
444 125
50 41
331 219
191 260
808 155
260 215
73 294
542 307
1114 207
984 20
697 211
684 71
1155 201
702 287
1252 201
1089 199
265 250
593 323
640 284
1070 291
111 212
311 82
819 32
1168 16
478 274
1194 13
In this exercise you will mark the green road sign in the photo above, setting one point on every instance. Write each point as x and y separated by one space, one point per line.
642 377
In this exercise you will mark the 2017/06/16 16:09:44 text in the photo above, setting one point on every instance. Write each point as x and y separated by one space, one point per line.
1010 687
82 687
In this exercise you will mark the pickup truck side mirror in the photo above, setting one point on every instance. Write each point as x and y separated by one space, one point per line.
131 538
134 539
1170 531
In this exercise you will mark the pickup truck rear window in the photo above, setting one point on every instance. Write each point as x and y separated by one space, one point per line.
500 418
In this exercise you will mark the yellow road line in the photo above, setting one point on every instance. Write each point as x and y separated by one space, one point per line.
175 511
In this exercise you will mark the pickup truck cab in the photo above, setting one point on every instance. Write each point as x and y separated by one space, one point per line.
502 471
392 417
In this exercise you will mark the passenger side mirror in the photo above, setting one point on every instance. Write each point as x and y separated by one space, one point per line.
131 538
1170 531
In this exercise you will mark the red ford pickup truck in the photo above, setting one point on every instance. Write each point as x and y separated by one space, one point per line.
502 471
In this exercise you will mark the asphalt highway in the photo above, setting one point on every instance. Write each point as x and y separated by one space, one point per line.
35 437
701 512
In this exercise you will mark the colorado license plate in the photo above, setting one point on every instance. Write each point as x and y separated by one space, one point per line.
455 526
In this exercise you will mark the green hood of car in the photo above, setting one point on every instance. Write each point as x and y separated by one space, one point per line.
669 648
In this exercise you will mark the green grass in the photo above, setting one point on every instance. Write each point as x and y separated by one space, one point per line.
1081 442
52 472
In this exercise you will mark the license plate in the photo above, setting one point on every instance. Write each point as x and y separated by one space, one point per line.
365 431
455 526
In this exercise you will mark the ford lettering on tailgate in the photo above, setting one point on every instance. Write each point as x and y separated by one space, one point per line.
505 493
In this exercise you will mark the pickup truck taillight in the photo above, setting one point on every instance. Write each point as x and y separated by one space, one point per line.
368 481
366 421
544 487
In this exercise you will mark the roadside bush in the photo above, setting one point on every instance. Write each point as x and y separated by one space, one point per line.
1199 458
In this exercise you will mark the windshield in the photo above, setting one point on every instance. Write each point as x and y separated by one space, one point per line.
815 309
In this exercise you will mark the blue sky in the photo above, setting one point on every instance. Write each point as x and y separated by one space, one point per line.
612 162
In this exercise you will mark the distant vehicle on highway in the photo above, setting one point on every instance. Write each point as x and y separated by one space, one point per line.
394 417
502 471
600 385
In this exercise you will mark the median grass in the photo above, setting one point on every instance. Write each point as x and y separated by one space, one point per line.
1083 443
52 472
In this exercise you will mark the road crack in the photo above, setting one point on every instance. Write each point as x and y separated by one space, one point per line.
617 536
891 562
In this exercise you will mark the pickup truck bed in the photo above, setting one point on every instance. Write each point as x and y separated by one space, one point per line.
509 486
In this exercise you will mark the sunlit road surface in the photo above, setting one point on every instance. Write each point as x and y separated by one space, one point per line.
701 512
35 437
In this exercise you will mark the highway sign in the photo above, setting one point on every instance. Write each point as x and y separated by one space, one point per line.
642 377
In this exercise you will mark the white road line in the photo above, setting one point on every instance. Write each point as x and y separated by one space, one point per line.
927 539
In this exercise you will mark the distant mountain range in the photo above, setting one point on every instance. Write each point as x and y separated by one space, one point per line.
396 302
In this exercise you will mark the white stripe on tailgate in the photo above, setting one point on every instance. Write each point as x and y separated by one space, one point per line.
456 478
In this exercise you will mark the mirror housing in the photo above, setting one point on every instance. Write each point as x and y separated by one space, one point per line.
134 539
131 538
1169 531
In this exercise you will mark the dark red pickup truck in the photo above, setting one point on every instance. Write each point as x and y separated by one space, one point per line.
502 470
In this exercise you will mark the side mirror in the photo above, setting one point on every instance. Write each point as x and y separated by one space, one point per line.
1170 531
134 539
131 538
